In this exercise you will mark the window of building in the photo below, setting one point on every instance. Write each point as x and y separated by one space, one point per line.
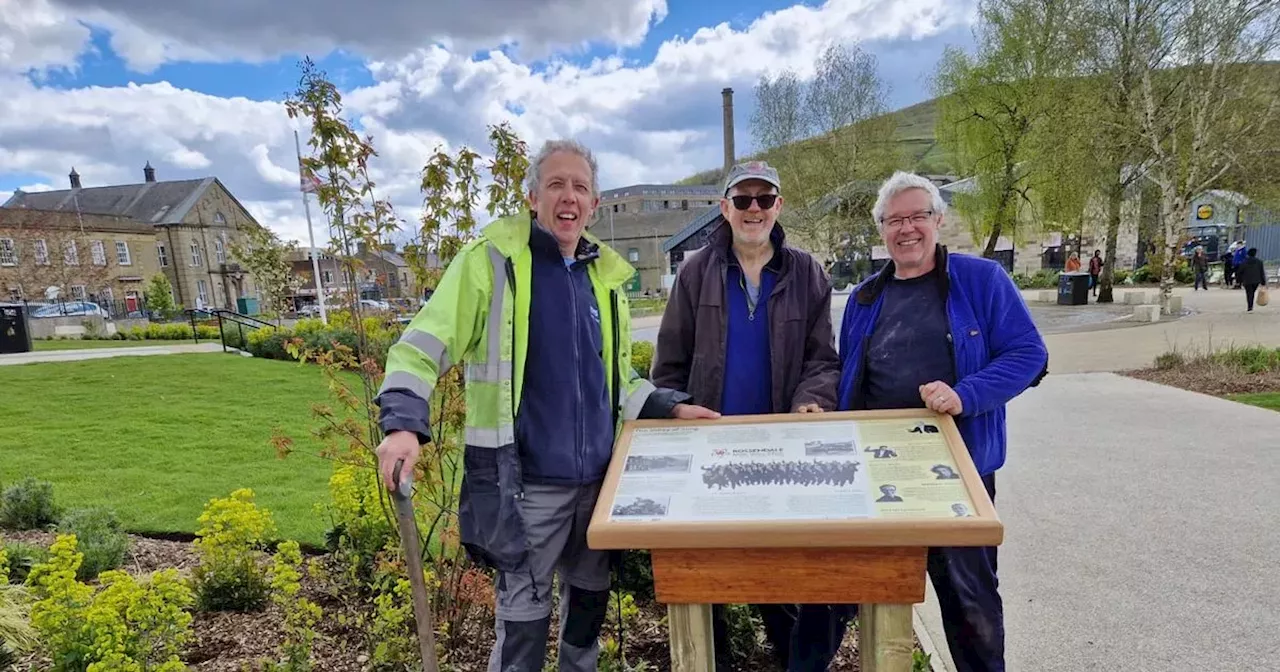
107 295
77 292
666 205
8 252
42 253
615 207
219 219
633 254
202 292
195 254
122 254
70 253
15 293
162 254
99 252
219 251
326 277
684 205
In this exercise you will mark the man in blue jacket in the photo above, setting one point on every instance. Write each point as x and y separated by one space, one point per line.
950 333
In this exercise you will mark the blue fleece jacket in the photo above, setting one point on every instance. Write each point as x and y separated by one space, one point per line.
748 382
564 426
998 351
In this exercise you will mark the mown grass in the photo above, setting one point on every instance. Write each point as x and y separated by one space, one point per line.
155 438
1267 400
72 344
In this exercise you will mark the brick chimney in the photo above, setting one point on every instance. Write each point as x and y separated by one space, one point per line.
149 173
75 178
727 94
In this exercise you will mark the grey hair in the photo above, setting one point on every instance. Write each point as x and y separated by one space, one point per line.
566 145
902 181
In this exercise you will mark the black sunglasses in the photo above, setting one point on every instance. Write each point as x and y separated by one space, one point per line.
743 202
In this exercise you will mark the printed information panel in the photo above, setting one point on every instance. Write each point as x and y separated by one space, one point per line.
838 469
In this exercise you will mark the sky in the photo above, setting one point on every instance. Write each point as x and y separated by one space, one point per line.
196 89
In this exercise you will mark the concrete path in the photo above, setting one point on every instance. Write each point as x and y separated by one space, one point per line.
103 353
1141 530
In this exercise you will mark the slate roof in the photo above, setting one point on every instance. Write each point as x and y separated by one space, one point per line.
150 202
704 218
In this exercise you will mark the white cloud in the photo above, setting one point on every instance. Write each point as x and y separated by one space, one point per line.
35 35
647 122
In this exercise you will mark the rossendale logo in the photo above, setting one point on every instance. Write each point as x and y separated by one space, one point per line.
747 452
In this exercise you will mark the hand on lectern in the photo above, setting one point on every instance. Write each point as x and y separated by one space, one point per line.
693 412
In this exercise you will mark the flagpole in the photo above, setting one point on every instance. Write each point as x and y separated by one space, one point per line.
311 236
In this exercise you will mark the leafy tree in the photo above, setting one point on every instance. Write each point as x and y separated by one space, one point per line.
269 260
1203 117
997 109
830 137
160 296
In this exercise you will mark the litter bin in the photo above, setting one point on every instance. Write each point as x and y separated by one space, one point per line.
15 332
1073 289
247 305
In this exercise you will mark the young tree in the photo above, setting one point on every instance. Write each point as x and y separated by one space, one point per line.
1202 102
269 260
828 137
996 108
53 251
160 296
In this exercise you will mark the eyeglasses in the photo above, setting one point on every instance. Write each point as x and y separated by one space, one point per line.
743 202
917 219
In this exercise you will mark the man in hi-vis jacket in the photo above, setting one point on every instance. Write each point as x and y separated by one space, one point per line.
535 308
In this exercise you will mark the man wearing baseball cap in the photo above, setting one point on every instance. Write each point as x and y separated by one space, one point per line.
747 330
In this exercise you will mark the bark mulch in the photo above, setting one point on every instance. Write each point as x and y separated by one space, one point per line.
1211 378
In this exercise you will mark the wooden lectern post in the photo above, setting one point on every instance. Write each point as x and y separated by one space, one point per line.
737 517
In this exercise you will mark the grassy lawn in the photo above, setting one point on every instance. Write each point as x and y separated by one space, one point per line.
1269 400
156 437
69 344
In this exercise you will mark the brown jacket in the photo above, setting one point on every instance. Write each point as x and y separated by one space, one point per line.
691 341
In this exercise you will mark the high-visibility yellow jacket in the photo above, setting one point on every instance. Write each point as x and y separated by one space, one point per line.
479 317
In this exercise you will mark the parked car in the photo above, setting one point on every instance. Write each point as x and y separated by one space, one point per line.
71 309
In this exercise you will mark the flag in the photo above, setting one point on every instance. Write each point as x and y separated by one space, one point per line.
310 183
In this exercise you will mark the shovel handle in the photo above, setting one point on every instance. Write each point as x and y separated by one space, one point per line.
403 487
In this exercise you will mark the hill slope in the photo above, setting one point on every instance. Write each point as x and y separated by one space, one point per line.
915 133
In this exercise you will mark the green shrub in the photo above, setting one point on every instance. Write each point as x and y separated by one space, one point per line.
642 357
1170 360
300 614
230 541
101 539
1119 276
121 625
1042 279
1145 275
21 558
28 505
1184 274
1252 359
16 634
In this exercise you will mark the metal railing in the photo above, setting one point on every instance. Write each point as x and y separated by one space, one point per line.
223 316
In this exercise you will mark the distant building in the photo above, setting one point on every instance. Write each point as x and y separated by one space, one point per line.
193 224
635 220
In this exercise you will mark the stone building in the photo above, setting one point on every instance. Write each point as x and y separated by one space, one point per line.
194 222
635 220
106 259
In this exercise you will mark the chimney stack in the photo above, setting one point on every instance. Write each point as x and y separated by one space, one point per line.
727 94
75 178
149 173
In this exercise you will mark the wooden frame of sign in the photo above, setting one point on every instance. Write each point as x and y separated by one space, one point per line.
823 508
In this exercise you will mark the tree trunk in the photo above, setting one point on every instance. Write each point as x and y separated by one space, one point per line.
989 251
1171 223
1115 200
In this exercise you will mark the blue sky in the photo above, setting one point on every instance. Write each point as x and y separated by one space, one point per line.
106 85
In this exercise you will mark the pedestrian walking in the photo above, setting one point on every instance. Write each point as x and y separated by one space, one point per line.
1200 264
1095 270
1252 274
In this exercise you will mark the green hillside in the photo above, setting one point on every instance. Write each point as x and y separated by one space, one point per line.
914 133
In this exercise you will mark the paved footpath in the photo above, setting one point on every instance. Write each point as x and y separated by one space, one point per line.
1140 520
103 353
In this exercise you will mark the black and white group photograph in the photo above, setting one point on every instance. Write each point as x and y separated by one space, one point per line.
734 475
815 448
659 464
641 506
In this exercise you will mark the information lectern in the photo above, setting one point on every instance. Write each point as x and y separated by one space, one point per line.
802 508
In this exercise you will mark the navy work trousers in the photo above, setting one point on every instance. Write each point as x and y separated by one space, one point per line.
968 596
